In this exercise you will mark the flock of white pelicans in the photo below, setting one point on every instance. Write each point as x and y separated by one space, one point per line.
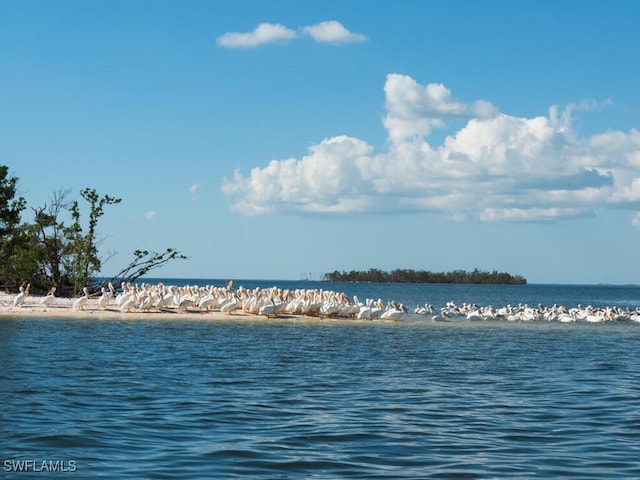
272 302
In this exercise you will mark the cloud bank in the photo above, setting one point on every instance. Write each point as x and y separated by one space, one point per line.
331 32
495 168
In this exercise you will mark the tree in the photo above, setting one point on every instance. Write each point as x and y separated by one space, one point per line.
69 255
12 239
10 207
82 261
404 275
144 262
58 249
49 233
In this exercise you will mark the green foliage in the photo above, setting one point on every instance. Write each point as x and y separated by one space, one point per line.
423 276
50 235
19 259
82 260
60 247
13 244
10 207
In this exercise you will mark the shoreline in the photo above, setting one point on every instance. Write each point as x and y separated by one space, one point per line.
160 301
146 302
63 309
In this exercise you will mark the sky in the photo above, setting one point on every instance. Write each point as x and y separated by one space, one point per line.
287 139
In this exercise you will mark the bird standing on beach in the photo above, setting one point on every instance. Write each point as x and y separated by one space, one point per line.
130 302
80 302
19 299
104 299
47 300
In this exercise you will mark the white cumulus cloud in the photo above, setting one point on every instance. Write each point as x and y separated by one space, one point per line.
332 32
150 215
263 34
322 181
495 167
413 109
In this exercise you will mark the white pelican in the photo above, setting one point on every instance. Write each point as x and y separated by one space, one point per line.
185 302
269 308
443 317
19 299
475 315
230 305
488 313
377 309
365 310
81 302
169 296
130 302
103 301
395 312
420 310
146 302
208 301
126 293
566 317
157 298
47 300
188 299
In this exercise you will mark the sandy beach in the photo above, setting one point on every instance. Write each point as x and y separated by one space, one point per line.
63 308
161 301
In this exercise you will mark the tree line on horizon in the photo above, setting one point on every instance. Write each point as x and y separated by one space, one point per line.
60 246
403 275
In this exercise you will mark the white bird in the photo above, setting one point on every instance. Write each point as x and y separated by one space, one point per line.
420 310
230 306
130 301
47 300
394 312
475 315
157 299
146 303
365 310
20 298
185 302
127 292
103 301
207 302
269 308
81 302
378 309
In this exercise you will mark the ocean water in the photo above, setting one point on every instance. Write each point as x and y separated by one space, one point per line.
277 399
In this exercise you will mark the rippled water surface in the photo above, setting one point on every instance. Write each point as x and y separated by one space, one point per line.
310 399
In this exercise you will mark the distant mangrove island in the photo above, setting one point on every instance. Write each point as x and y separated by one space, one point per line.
403 275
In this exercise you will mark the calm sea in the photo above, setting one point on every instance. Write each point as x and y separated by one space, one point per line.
277 399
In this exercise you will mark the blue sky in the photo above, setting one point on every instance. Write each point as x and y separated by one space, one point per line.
275 140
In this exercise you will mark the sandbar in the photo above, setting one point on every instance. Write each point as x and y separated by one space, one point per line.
63 308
